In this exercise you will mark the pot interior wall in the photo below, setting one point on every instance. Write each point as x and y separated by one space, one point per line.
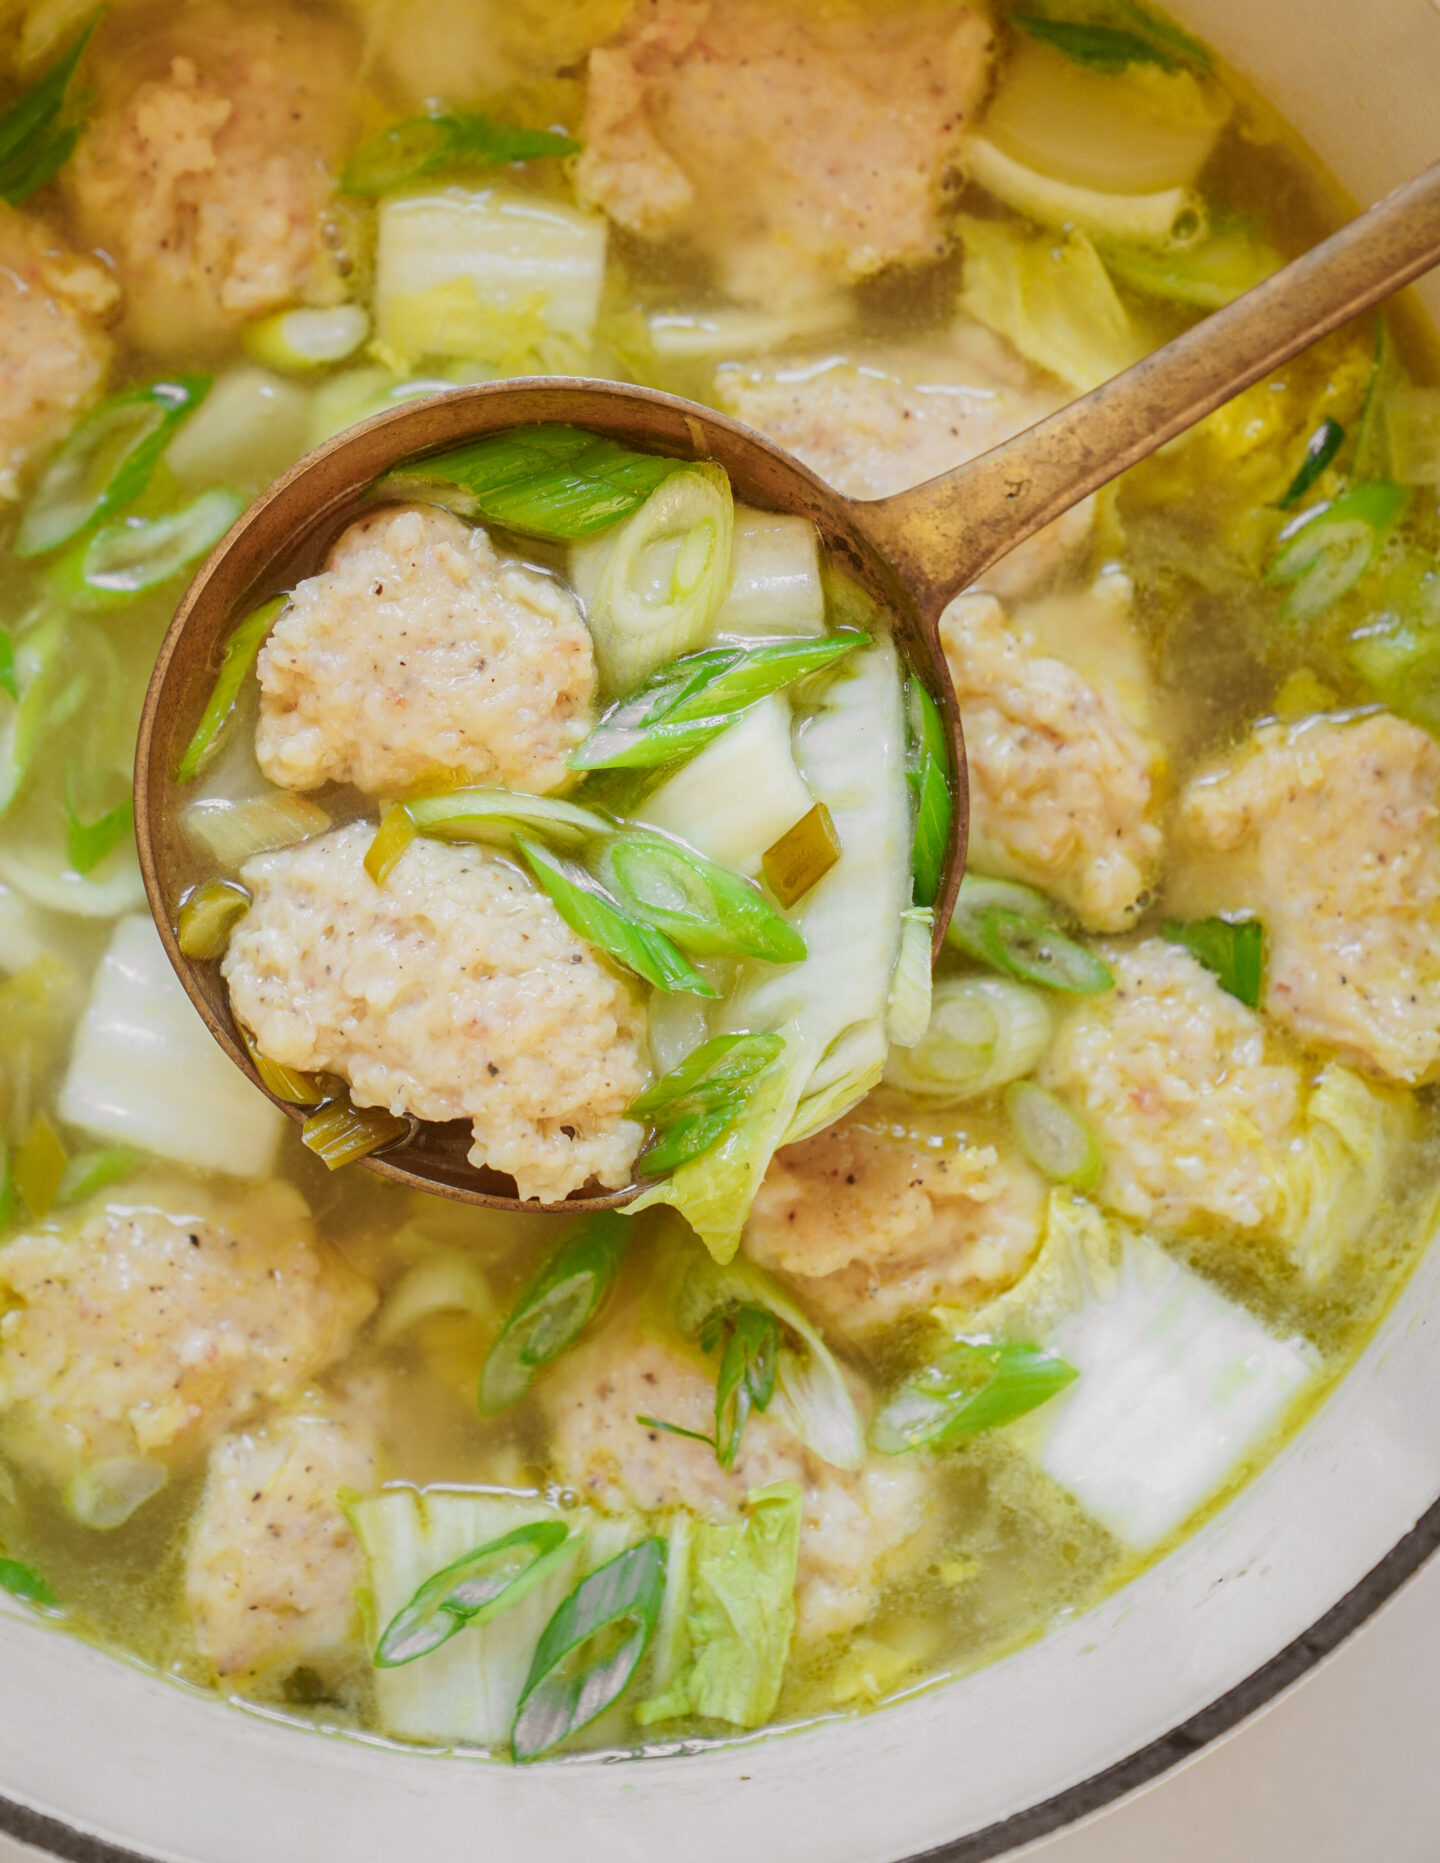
163 1772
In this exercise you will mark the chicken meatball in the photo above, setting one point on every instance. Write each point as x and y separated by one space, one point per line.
418 654
54 353
1193 1116
207 170
163 1319
1330 831
1064 787
905 418
874 1218
272 1567
857 1526
777 139
453 991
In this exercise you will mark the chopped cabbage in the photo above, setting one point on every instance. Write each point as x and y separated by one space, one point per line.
249 429
1051 297
22 935
775 585
1340 1168
739 1615
1169 218
146 1072
506 280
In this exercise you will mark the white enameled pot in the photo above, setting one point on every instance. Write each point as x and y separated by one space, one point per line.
99 1761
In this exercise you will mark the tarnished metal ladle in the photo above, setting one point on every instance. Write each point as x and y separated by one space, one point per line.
913 551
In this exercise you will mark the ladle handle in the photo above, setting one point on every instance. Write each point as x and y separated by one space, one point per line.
943 534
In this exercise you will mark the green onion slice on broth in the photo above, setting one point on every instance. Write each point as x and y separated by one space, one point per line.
208 914
1013 929
972 1386
1231 949
241 652
494 814
555 1308
473 1590
89 1171
447 140
87 843
746 1379
1055 1138
697 1103
107 462
129 555
708 910
684 705
590 911
555 482
23 1582
35 140
1320 451
568 1685
1326 550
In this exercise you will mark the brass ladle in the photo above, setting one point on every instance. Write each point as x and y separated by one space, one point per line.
913 552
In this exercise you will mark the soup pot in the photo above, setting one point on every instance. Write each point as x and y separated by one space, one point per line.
101 1761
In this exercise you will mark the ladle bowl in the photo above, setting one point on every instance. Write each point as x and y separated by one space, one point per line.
912 552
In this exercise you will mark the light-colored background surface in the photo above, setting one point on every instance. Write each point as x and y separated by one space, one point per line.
1345 1769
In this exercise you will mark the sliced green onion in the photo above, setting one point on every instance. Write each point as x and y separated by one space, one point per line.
493 815
676 1429
35 143
1400 661
339 1132
688 1135
707 1076
8 681
591 913
92 1171
686 704
747 1377
1232 949
396 831
907 1011
563 1691
241 652
983 1033
23 1582
654 587
1320 450
473 1590
929 778
301 340
1325 551
1033 951
1373 458
129 555
706 909
87 843
975 1385
555 482
208 914
1098 47
38 1167
444 141
286 1083
802 856
106 462
1054 1138
1222 267
978 895
555 1308
230 832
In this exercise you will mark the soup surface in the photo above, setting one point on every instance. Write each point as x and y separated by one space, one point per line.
1046 1261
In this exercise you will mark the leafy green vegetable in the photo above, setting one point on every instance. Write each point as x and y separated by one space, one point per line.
554 1309
739 1615
23 1582
974 1385
590 911
707 910
87 843
36 140
241 651
107 462
473 1590
1320 450
1399 658
565 1691
1326 550
555 482
682 706
928 773
444 141
1231 949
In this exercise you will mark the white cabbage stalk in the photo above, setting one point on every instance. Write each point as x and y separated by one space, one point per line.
448 1282
716 335
146 1072
1340 1168
907 1014
775 586
246 432
508 281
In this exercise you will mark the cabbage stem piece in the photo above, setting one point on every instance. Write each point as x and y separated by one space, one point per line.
241 652
106 462
907 1014
563 1693
554 1309
230 832
1170 218
474 1589
775 585
653 588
